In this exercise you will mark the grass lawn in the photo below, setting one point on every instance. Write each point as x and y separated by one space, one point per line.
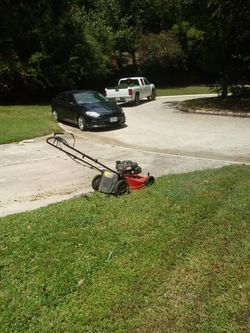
189 90
171 258
219 104
19 122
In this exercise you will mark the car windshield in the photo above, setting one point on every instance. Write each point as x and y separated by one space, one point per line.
87 97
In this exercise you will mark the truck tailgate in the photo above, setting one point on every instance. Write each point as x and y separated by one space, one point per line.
117 93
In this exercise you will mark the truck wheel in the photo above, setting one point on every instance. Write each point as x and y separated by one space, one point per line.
137 99
152 96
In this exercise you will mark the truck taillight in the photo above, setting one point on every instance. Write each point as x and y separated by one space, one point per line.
130 92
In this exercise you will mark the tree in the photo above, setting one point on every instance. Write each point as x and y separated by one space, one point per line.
226 38
33 44
61 44
159 53
230 40
110 27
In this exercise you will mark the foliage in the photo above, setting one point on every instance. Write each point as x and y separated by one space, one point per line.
153 16
161 50
170 258
226 43
190 38
240 90
59 45
158 54
111 31
48 46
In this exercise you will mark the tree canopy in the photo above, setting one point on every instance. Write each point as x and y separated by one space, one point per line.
50 45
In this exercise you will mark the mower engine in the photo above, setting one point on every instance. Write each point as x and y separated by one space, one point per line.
130 172
128 167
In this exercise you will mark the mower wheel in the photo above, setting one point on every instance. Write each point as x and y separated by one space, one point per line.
150 181
96 182
120 188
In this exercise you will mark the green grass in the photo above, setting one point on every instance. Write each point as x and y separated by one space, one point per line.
189 90
19 122
219 104
171 258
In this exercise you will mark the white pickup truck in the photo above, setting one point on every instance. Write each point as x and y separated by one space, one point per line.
131 89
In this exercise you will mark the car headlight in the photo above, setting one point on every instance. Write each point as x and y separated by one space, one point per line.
92 114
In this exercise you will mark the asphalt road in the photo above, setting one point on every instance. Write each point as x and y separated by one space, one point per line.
160 138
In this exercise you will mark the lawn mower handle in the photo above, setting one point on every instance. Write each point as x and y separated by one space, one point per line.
56 138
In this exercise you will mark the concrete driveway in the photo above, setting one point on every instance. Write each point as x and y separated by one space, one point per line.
160 138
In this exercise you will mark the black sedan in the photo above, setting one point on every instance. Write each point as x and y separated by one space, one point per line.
87 108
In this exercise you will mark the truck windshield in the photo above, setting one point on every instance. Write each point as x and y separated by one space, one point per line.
129 83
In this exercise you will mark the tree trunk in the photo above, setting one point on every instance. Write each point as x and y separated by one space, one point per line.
224 88
134 60
224 84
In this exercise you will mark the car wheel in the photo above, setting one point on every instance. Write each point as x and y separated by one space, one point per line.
55 115
81 123
96 182
137 99
120 188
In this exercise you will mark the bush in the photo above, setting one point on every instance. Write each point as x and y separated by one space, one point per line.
240 90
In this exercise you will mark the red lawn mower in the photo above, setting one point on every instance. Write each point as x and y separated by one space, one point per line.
125 178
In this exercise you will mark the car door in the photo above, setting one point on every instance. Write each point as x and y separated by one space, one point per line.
71 108
60 105
142 89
